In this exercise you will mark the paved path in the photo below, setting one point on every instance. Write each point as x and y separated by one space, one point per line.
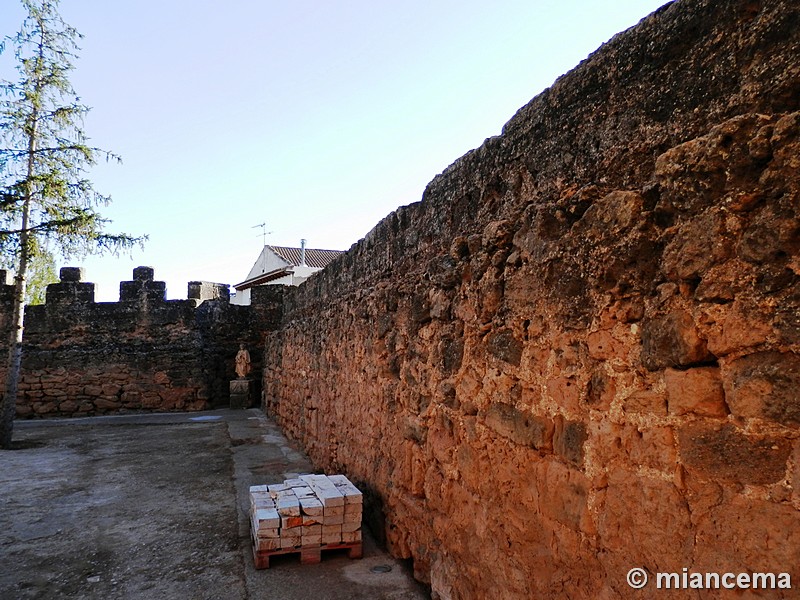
155 506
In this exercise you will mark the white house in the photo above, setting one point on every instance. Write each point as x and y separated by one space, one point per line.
281 265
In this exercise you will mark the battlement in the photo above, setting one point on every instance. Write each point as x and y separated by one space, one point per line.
142 289
144 352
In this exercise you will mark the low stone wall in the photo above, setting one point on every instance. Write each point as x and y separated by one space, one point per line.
141 353
580 353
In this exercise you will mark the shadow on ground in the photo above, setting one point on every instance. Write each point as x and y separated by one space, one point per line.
155 506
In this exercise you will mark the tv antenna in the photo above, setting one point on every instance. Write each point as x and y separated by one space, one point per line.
264 231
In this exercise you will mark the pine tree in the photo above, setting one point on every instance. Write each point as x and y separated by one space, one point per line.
44 193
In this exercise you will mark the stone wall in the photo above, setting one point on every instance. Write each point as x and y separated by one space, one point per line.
580 352
141 353
6 306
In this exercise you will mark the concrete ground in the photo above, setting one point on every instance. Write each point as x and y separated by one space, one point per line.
155 506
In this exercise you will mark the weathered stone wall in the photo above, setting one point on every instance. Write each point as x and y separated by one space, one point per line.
141 353
6 305
580 352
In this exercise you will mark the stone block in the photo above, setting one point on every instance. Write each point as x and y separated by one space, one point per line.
288 505
351 493
626 446
267 518
672 340
519 426
506 347
261 500
143 274
312 519
291 522
764 385
725 453
563 495
351 526
331 529
647 518
333 519
106 404
267 544
204 290
71 274
291 542
568 440
646 401
602 345
69 292
697 390
269 532
311 540
241 393
311 506
143 288
351 537
565 392
601 390
325 490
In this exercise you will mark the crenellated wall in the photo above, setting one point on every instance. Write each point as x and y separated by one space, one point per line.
580 352
141 353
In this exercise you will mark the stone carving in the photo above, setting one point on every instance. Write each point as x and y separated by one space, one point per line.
242 362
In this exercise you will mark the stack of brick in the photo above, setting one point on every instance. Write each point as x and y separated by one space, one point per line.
307 514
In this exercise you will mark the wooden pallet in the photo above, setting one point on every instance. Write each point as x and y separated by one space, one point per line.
308 556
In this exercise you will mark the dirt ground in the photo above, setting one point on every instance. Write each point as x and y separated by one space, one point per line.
155 506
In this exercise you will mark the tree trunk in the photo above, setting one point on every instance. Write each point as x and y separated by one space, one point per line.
8 406
9 402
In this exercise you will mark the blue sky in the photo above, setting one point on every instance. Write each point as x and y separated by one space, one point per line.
318 118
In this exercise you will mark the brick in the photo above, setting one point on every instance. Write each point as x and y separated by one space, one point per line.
290 542
261 500
333 519
315 529
333 538
267 544
266 518
289 522
325 490
352 518
352 495
351 537
311 506
350 527
273 532
288 504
